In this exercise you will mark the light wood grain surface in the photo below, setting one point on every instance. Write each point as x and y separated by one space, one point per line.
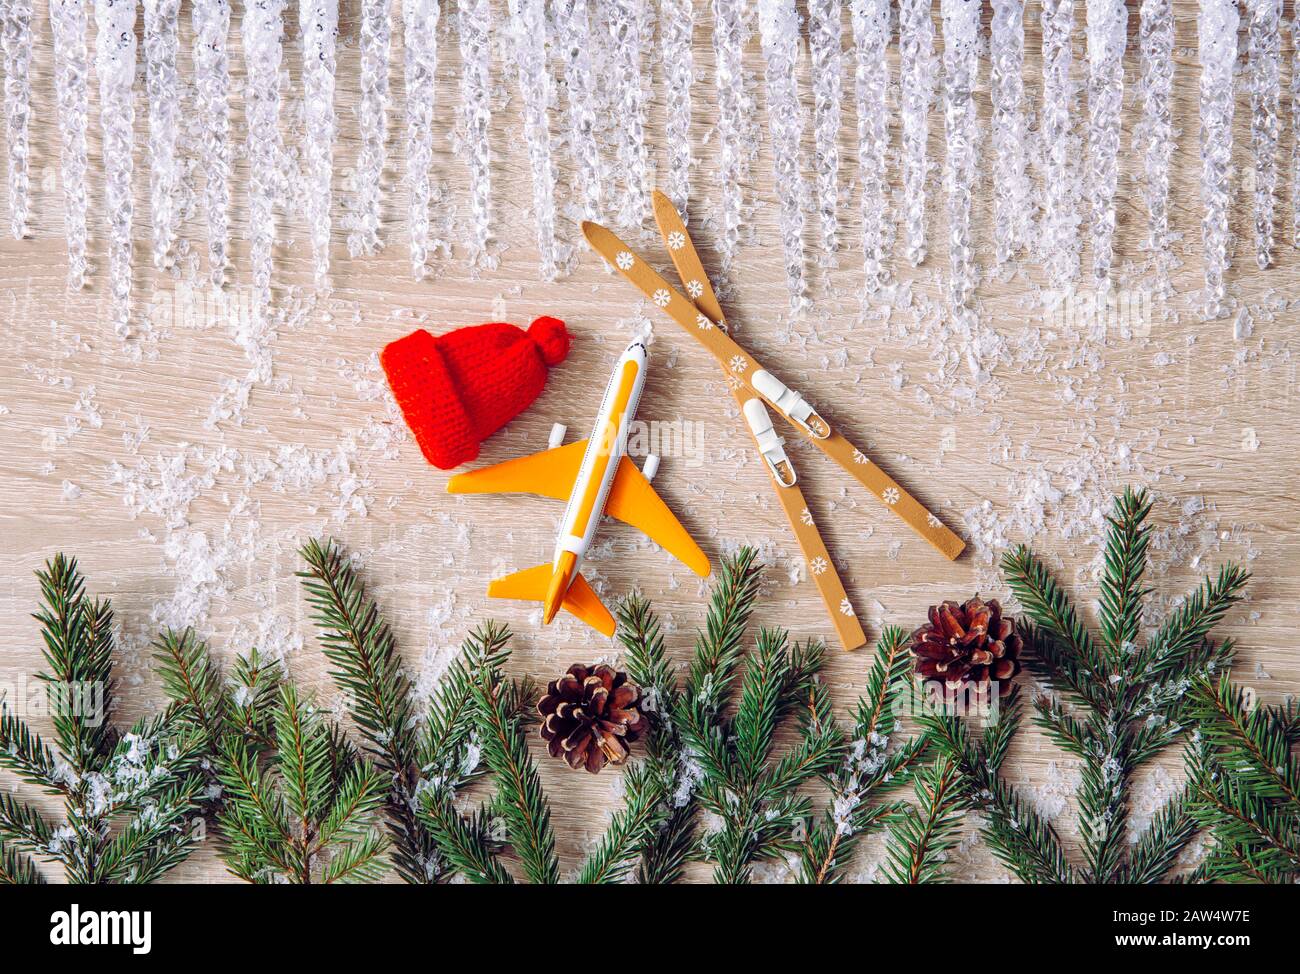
185 503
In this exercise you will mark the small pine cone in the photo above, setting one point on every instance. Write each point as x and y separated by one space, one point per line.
590 715
967 643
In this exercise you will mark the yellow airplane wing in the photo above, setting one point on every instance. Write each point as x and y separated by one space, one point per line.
550 473
531 585
633 501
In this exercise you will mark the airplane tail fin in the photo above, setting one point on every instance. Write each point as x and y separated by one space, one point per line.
533 584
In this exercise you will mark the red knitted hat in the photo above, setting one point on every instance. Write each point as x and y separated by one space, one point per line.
458 389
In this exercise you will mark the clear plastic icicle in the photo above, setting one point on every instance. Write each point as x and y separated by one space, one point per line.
71 66
678 20
1011 206
916 55
318 22
1217 37
872 26
1060 219
528 31
824 48
735 106
961 27
16 35
1295 138
1153 137
263 33
375 37
1107 39
575 37
476 106
1265 39
163 86
115 66
420 33
625 20
778 27
211 22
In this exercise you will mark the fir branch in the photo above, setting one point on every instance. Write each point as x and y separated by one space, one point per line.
23 752
17 868
629 830
191 680
467 844
919 840
21 826
718 649
1157 851
1253 745
519 791
1121 581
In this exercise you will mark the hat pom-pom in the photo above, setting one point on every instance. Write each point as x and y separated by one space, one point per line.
551 338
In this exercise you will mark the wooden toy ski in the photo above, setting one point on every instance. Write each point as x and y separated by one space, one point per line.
744 369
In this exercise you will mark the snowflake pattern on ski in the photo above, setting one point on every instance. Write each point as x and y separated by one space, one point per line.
676 240
703 323
738 363
694 288
890 496
860 457
846 607
806 517
818 566
623 260
933 521
661 298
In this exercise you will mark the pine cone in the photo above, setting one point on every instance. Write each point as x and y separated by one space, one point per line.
590 715
967 643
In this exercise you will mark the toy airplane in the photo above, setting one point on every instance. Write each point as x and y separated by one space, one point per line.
596 477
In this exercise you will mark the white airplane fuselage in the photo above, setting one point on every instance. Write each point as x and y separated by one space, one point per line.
605 448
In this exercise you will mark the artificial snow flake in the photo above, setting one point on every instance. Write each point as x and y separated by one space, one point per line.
163 87
824 48
68 26
528 30
871 32
319 24
16 37
262 32
420 31
1060 218
961 22
626 20
1011 206
211 22
1265 90
575 38
1217 36
1107 38
735 109
115 66
891 495
1153 138
677 19
778 25
624 260
916 54
375 40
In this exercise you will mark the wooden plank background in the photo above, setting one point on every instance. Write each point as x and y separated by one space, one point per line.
184 486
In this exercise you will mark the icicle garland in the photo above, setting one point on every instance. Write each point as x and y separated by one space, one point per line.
871 33
420 33
163 87
576 40
1011 199
678 31
1107 39
16 35
1265 47
916 54
528 32
735 109
211 22
625 21
318 22
824 47
1295 128
115 66
476 108
1153 139
263 31
375 41
961 24
1217 37
71 64
778 26
1060 219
